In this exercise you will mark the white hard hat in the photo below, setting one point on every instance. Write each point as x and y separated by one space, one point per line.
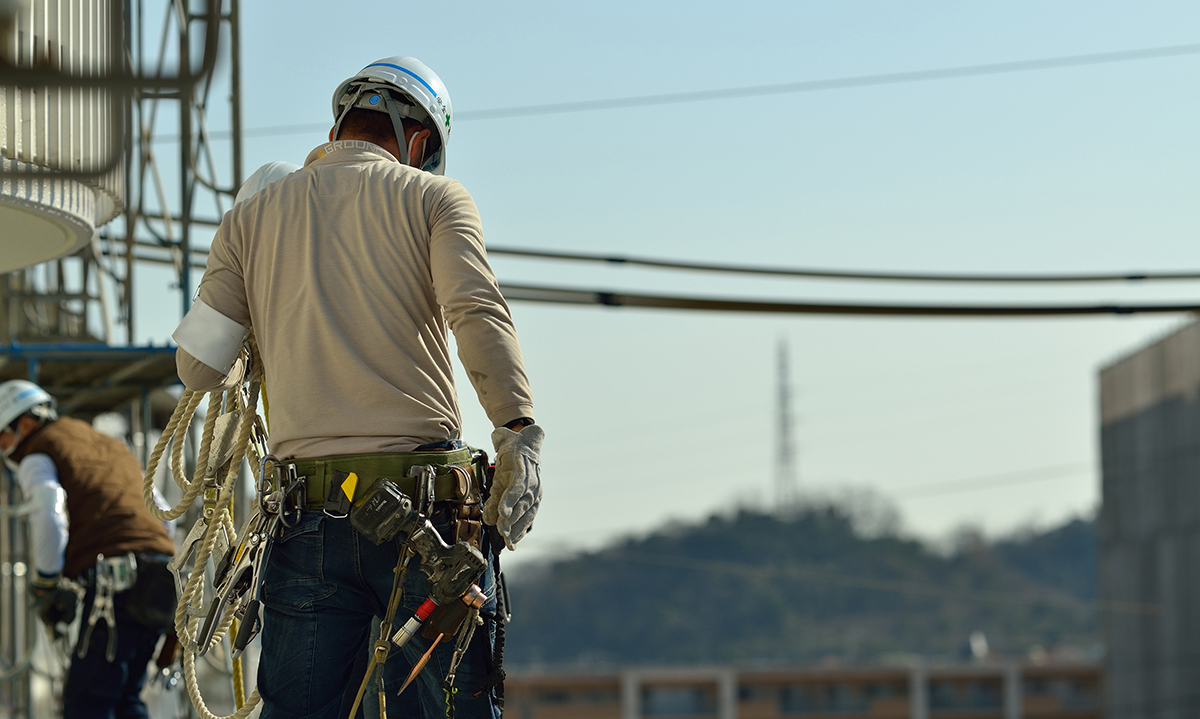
262 177
18 396
414 81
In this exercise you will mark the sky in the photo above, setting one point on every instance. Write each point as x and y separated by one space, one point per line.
654 416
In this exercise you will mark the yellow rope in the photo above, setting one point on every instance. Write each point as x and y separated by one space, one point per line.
239 689
266 403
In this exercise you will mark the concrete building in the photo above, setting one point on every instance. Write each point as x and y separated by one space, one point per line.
1150 529
989 691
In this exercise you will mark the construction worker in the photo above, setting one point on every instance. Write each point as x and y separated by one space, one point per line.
89 526
349 272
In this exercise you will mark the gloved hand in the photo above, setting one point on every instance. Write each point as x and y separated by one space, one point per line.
53 601
517 485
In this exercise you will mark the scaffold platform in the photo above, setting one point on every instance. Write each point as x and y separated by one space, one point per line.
90 378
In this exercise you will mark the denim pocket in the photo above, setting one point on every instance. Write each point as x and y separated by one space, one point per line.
293 577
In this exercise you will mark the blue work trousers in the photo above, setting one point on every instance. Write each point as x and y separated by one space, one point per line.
323 585
99 689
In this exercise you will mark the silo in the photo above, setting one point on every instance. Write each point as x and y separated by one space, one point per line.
58 129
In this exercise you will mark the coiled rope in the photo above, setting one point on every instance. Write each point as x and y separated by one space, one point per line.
189 609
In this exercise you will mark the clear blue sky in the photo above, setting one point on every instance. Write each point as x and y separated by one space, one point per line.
652 415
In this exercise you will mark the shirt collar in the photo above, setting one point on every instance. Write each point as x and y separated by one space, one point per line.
349 150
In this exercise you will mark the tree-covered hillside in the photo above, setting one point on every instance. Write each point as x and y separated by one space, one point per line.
761 589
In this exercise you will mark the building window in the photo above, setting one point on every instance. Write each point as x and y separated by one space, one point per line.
756 693
579 696
965 694
679 702
1071 693
823 698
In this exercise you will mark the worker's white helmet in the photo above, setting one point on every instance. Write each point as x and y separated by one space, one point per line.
262 177
401 87
18 396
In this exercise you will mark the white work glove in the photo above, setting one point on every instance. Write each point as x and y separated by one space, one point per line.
517 484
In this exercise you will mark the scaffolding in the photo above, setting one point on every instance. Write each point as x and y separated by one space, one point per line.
70 324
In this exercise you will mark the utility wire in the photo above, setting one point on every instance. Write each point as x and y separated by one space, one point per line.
955 486
585 297
572 296
892 78
842 83
840 274
965 278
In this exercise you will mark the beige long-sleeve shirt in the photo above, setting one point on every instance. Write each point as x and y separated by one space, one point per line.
349 272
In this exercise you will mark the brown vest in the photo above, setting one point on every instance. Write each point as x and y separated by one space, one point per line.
103 483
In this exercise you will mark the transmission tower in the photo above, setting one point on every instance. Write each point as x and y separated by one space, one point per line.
785 457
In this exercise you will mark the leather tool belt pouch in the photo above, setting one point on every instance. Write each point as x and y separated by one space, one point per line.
152 599
466 516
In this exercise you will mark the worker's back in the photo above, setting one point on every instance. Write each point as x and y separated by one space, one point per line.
347 263
103 484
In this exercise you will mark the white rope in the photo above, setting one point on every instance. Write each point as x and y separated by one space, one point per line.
225 479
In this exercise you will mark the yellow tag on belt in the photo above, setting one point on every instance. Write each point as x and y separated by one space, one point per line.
349 485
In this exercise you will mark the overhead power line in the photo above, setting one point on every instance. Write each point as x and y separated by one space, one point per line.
562 295
844 274
786 88
954 486
816 273
842 83
573 296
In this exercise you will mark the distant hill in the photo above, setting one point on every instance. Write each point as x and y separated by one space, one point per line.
1064 558
760 589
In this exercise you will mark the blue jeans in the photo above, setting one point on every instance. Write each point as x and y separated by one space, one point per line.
99 689
323 584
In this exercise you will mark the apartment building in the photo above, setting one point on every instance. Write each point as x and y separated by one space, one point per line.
986 691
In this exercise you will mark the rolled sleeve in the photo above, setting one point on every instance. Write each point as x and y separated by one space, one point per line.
198 376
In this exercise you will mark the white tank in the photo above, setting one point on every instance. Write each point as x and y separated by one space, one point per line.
57 128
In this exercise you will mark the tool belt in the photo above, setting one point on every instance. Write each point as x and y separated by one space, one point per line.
122 570
458 479
146 579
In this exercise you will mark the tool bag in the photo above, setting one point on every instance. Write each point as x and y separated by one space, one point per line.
151 600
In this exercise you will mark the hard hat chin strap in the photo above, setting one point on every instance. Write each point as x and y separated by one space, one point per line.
43 412
337 125
398 127
18 438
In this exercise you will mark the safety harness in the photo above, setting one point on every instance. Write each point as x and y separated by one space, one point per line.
382 500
